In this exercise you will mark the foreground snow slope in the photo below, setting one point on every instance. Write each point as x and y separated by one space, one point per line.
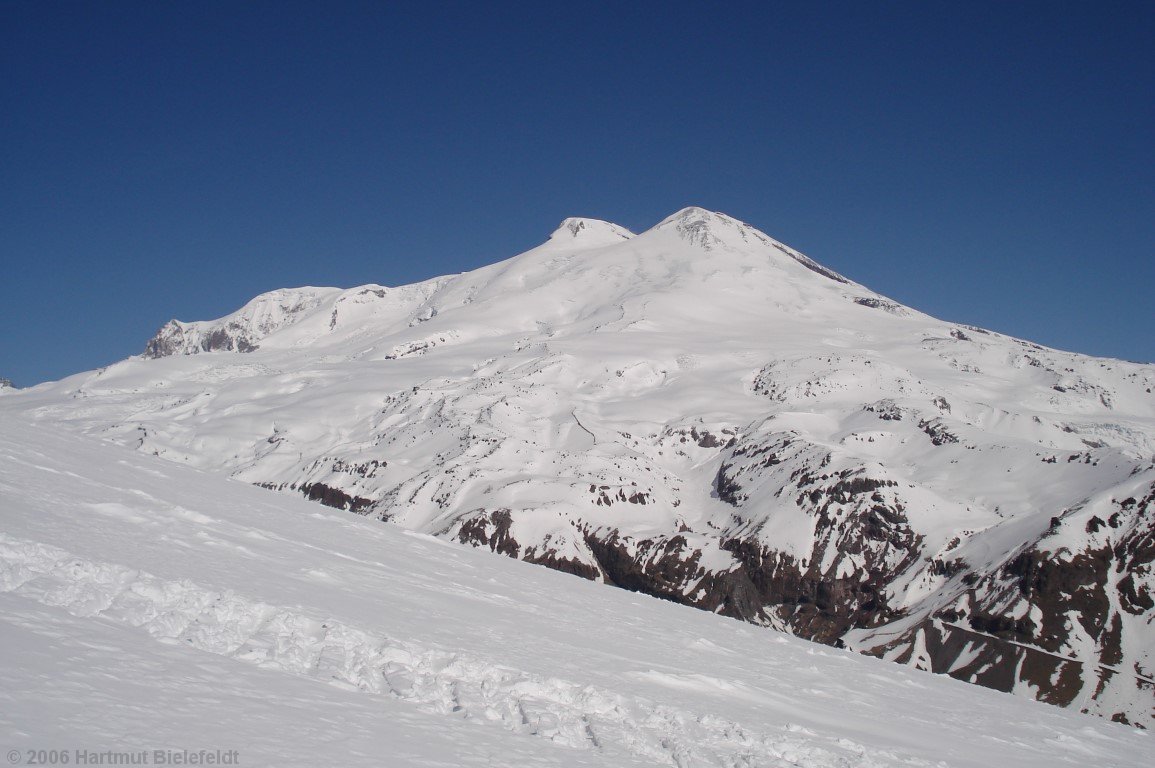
147 605
700 413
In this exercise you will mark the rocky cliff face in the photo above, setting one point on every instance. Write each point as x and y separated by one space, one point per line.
703 414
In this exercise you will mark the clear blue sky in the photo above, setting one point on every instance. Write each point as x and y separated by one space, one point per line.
990 163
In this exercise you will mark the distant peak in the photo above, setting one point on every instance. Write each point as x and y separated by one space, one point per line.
693 213
709 228
690 212
590 232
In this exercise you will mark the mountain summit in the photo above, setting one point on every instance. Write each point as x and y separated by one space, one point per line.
590 232
704 414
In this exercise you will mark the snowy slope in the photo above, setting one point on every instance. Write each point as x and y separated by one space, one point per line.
152 606
700 413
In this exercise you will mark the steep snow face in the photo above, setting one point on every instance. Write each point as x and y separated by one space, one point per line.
147 606
704 414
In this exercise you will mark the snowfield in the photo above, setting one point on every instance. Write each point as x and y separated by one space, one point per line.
702 414
148 605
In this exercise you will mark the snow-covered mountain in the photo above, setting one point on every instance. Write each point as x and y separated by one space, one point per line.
149 606
701 413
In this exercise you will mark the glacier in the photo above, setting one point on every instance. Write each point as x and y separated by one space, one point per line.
700 413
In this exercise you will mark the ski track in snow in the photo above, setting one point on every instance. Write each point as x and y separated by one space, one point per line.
321 638
435 680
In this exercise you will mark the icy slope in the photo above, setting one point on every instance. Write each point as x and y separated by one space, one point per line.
152 606
700 413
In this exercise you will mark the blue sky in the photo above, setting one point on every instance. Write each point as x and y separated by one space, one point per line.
989 163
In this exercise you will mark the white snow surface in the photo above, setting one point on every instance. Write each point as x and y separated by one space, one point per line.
147 605
593 386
